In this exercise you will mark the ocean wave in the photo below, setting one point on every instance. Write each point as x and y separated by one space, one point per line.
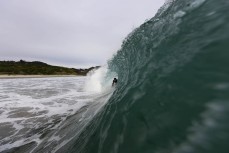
172 93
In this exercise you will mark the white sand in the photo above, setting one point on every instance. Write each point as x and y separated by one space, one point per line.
32 76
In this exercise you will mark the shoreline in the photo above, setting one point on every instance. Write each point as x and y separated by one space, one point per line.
34 76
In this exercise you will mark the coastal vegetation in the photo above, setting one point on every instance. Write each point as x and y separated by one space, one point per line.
38 68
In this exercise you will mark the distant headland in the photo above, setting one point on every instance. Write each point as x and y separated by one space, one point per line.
23 67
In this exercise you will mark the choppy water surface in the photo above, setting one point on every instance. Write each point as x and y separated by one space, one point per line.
172 94
43 114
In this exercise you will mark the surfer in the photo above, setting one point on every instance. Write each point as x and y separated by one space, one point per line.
114 81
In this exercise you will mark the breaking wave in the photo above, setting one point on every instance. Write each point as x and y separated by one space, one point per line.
173 88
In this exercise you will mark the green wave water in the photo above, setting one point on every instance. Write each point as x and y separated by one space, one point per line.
173 90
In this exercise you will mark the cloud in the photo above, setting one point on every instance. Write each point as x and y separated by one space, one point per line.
85 32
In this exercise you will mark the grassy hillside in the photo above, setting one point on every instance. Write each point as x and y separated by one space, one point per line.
38 68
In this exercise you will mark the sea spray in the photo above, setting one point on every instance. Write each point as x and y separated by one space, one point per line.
94 80
99 80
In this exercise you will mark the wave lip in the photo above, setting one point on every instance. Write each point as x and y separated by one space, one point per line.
172 74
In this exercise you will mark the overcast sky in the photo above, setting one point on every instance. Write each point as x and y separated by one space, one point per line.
73 33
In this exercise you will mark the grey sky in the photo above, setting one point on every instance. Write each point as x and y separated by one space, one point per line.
74 33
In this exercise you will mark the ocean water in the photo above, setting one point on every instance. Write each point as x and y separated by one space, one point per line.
173 90
172 94
44 114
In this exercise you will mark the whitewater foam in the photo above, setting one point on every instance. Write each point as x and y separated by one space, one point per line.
33 108
99 80
28 105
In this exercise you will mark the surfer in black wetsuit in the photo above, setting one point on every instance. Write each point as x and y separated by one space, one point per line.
114 81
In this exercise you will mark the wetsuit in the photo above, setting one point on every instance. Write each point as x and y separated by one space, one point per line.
114 81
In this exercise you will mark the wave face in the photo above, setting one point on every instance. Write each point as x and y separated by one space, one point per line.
173 90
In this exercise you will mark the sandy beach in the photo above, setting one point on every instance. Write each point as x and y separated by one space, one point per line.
33 76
